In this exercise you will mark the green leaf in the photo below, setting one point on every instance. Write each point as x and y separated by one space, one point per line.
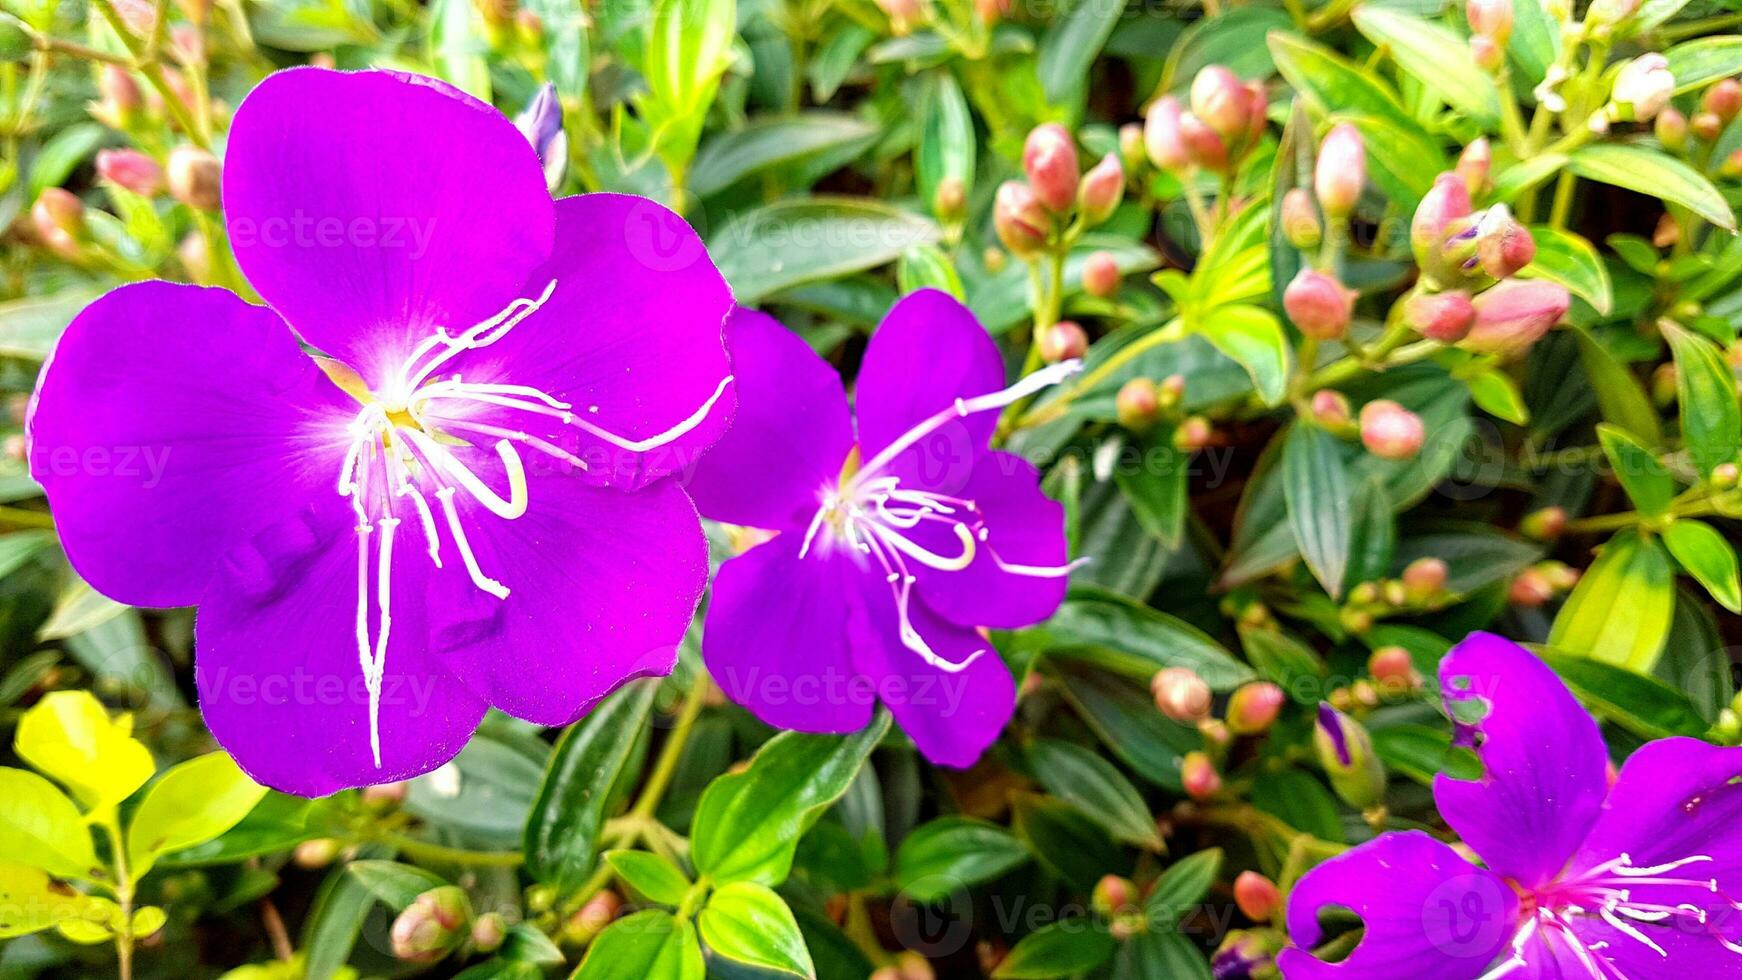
1332 83
334 924
1417 751
1066 842
1536 40
1620 611
1708 557
1567 258
651 875
954 852
1619 396
1181 887
689 45
562 829
1123 716
1071 45
1641 704
567 53
649 945
1300 800
1062 949
1647 483
1081 777
803 240
1155 487
1436 57
927 267
1399 156
191 803
1316 486
62 154
1285 660
1253 337
774 142
456 38
747 923
1702 61
1157 955
393 884
1711 417
748 824
30 902
946 137
70 737
41 828
1497 394
1639 168
1135 640
30 327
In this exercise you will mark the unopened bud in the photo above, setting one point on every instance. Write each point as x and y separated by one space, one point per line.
1390 431
1162 138
1101 189
1245 955
131 170
1204 147
541 122
592 918
1256 896
195 257
1723 100
1331 410
1668 231
1503 245
1221 101
1136 404
1491 19
383 797
1513 315
1170 392
1560 576
1705 126
1545 524
489 932
1049 158
1020 219
1671 128
315 854
59 219
1394 670
432 925
950 201
1101 274
1475 164
1530 589
119 99
1181 694
1131 150
1113 896
1341 171
1062 341
1300 219
1446 317
1345 751
1487 55
1193 434
910 965
1725 475
1603 14
1425 577
1319 305
1253 708
1198 776
1643 86
903 15
1732 165
195 178
1448 201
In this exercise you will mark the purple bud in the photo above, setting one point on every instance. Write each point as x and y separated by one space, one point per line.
1101 189
1345 751
1049 157
1513 315
1319 305
541 122
1162 138
1341 171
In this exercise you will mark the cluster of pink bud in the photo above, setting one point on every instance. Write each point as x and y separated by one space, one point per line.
1539 583
1317 302
1141 402
1221 123
1642 88
1027 214
1490 28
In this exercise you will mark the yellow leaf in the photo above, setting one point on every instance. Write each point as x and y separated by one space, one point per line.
41 828
70 737
31 901
192 803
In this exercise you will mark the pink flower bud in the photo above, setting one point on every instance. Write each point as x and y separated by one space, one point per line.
1253 708
1318 304
1203 146
1530 589
1394 669
1257 112
119 99
1050 160
1723 99
1300 219
1390 431
1193 434
1706 126
1447 201
1474 165
1341 171
1445 317
1113 895
59 219
1063 341
1222 102
1170 392
1425 577
950 199
1136 404
1101 189
1181 694
1256 896
1131 149
432 925
1020 219
1513 315
1487 55
1491 19
195 257
195 178
1198 776
1503 246
1545 524
1331 409
1162 138
1101 274
1671 129
1643 86
130 169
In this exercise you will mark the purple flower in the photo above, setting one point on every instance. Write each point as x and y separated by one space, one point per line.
1582 879
464 501
891 545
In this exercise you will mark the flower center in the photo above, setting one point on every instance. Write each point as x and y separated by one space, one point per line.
419 438
876 518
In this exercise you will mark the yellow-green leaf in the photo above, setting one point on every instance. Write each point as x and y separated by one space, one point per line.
194 802
1620 612
70 737
1710 559
41 828
31 901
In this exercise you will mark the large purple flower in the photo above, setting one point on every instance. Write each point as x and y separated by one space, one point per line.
892 545
1583 879
463 500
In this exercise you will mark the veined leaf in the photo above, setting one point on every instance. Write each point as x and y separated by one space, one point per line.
1620 611
1320 498
1439 60
1650 172
1706 392
1708 557
1567 258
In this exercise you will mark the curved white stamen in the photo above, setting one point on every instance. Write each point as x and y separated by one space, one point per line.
446 496
1629 930
543 446
377 667
1044 378
669 435
509 508
481 335
929 559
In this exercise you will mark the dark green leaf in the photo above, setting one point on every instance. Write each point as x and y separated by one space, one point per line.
1319 495
1100 790
1708 557
1062 949
954 852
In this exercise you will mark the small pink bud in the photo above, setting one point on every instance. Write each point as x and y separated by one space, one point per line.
1706 126
1257 112
1318 304
1671 128
1341 171
1049 157
1101 189
1394 669
1253 708
1732 165
1300 219
1162 137
489 932
59 219
1199 777
1530 589
1132 152
1222 102
1491 19
130 169
119 99
1513 315
1425 576
1020 219
1390 431
1101 274
195 257
1136 404
1331 409
1475 164
1445 317
1112 896
1171 391
1726 476
1063 341
1256 896
1447 201
1487 55
592 918
1203 146
1181 694
1545 524
1643 86
1724 100
1503 246
950 199
195 178
432 925
1193 434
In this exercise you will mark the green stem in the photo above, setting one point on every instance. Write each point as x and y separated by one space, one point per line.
21 517
439 854
124 889
154 74
672 751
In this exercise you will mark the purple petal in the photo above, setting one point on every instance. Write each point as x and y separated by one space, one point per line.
602 585
789 439
371 208
630 338
1543 757
1684 950
277 665
1428 913
951 715
170 421
927 353
776 638
1024 529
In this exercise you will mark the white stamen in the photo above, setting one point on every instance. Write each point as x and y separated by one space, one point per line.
479 579
377 668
